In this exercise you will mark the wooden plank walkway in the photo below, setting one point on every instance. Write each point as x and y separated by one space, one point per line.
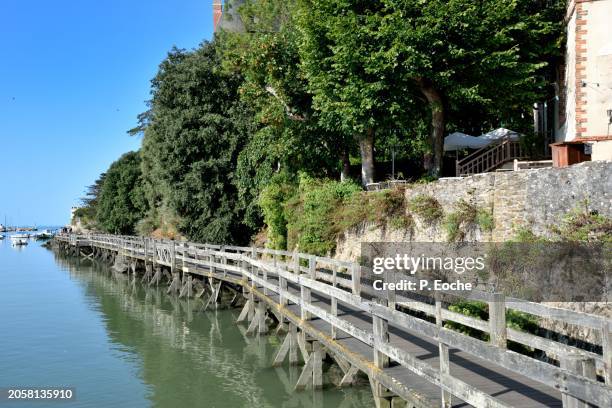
405 356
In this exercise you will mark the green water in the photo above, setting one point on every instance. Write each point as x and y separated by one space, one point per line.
73 323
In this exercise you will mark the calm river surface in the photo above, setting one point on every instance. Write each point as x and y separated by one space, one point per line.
69 322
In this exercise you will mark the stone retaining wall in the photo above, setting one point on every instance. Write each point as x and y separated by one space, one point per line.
534 199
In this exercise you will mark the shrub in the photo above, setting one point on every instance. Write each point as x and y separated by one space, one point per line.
426 207
272 201
583 225
467 216
479 310
311 213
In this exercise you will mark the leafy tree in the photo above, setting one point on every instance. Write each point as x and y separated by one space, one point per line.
354 93
120 203
194 132
88 209
365 60
288 137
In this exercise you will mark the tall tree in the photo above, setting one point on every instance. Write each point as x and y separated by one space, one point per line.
355 94
195 129
120 203
287 135
455 53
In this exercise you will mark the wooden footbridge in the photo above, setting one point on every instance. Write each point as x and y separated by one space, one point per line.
409 357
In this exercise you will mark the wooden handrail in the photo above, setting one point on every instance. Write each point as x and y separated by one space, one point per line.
489 157
251 265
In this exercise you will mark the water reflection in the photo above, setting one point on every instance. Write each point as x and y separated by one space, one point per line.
193 358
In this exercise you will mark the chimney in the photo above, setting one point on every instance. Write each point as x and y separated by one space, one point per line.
217 13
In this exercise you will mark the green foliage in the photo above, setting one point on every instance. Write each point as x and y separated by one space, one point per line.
121 201
381 208
305 82
195 132
310 214
272 200
286 134
479 310
426 207
369 63
466 217
583 225
87 212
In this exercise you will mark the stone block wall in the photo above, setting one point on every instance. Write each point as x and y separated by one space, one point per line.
535 199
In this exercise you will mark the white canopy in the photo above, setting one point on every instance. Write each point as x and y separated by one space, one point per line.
459 141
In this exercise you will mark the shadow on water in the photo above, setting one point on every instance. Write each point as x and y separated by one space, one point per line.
189 357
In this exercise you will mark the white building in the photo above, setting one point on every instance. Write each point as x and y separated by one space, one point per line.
585 109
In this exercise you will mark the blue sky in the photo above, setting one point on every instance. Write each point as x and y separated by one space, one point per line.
73 76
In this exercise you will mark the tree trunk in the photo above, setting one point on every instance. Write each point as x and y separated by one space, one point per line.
366 148
345 173
438 125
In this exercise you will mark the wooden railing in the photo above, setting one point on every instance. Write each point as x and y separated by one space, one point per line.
269 271
489 158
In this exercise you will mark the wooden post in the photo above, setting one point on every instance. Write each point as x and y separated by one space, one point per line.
497 320
282 282
580 365
263 328
144 246
211 259
293 345
390 277
334 302
173 258
224 260
251 313
444 357
381 335
305 291
356 279
317 365
313 369
606 344
264 273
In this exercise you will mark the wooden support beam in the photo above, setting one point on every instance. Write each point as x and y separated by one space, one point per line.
245 311
312 373
156 278
349 377
253 326
148 273
294 345
187 289
251 303
175 284
282 351
262 327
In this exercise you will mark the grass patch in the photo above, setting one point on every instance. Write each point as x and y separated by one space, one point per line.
465 218
584 225
426 207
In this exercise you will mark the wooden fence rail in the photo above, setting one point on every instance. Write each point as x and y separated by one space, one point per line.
283 278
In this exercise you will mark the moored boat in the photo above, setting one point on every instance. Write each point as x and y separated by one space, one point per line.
19 239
